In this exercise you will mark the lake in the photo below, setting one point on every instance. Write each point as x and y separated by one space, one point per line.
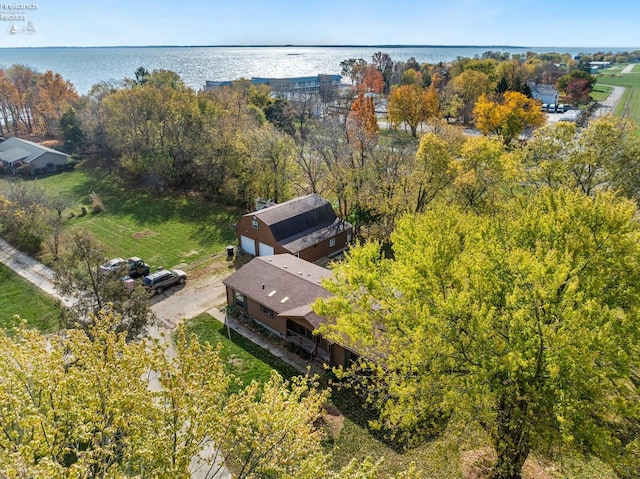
85 67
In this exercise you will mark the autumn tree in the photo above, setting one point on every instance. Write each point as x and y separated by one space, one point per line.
602 156
468 86
23 215
78 275
411 104
96 405
273 164
578 91
507 117
524 322
52 97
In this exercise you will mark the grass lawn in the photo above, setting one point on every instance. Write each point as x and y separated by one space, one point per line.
164 231
18 296
438 459
630 104
600 92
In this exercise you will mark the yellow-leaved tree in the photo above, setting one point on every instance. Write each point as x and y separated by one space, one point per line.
89 404
509 116
525 322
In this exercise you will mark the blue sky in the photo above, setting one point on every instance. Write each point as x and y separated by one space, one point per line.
568 23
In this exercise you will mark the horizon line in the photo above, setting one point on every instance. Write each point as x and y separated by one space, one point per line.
407 45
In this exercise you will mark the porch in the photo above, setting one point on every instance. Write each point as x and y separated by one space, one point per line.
310 345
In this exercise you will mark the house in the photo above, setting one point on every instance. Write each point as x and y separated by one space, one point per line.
306 227
15 152
545 93
277 293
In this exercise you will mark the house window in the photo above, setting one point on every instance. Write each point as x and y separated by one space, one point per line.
267 311
349 236
332 242
239 299
254 224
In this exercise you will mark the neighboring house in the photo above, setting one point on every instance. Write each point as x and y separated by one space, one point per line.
15 152
545 93
277 292
306 227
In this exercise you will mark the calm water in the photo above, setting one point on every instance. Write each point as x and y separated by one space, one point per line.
86 66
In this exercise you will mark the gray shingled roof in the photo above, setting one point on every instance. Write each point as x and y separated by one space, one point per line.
14 149
302 222
284 283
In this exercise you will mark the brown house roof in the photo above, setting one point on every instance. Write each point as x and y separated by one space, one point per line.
283 283
302 222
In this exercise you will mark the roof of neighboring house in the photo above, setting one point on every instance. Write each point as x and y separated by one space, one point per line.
16 149
301 222
283 283
542 89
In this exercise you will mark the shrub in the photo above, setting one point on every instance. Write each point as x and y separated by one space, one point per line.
83 211
96 203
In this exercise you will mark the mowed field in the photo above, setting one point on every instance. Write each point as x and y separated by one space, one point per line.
20 297
629 106
167 231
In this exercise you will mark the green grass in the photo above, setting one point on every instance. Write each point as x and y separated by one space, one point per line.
600 92
632 99
18 296
165 231
439 458
246 360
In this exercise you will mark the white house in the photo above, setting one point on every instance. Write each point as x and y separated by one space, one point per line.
545 93
15 152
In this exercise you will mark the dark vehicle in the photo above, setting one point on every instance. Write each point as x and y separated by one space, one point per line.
133 267
160 280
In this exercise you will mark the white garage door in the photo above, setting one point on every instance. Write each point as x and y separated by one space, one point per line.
248 245
265 250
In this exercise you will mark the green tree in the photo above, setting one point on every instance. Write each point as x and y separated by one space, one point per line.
71 130
525 323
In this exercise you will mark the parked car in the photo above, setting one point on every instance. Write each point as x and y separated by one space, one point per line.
545 107
158 281
133 267
552 108
560 108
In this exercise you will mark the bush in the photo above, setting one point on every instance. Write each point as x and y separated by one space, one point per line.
83 211
96 203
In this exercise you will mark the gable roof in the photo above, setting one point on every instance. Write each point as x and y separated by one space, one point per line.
283 283
301 222
16 149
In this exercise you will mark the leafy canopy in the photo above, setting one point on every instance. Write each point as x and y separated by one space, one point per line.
525 322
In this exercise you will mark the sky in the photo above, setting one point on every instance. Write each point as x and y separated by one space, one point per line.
529 23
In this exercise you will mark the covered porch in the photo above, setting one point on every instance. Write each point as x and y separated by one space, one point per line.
303 337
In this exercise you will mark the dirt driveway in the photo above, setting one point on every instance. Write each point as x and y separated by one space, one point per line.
203 291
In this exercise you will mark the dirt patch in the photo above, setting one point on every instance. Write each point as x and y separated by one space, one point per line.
332 421
476 464
143 234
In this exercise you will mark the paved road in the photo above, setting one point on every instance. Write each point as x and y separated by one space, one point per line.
31 270
608 105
